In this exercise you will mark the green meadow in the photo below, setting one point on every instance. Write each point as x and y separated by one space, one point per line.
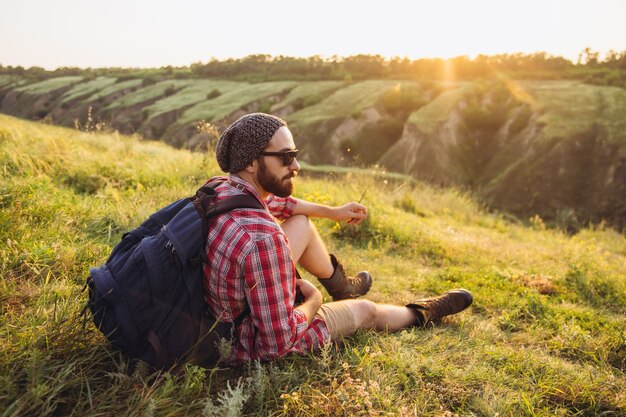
545 335
430 117
7 81
88 89
50 85
345 102
233 100
567 108
194 93
307 93
112 89
149 93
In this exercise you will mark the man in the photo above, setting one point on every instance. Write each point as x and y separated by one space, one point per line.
252 269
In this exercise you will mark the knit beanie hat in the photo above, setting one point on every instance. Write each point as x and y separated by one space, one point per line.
243 141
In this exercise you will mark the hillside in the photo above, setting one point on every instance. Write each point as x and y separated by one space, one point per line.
556 149
553 148
544 337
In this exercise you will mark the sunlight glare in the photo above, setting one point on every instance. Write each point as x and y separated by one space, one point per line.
448 71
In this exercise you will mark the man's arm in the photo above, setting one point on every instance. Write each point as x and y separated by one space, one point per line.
271 283
312 299
352 212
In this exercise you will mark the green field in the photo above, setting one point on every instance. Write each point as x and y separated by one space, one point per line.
8 81
112 89
544 337
87 88
429 118
306 92
49 85
345 102
565 108
568 108
197 92
233 100
149 93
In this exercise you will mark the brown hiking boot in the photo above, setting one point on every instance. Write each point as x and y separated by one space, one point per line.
340 286
432 310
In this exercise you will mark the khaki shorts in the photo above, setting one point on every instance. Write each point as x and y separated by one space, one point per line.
339 319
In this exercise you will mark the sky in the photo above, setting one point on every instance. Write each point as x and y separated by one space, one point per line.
155 33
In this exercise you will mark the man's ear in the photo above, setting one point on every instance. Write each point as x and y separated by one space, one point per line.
251 169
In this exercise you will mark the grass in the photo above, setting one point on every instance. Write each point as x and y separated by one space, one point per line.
565 107
194 93
570 107
344 102
307 91
87 88
375 172
545 336
8 81
432 115
233 100
112 89
149 93
52 84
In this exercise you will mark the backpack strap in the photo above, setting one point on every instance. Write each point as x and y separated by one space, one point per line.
182 230
242 316
206 207
184 235
186 240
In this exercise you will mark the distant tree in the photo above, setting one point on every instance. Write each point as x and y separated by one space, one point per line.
264 67
588 57
365 66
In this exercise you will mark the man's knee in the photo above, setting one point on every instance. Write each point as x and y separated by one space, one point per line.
297 221
296 228
365 312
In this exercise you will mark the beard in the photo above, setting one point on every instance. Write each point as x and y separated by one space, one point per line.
280 187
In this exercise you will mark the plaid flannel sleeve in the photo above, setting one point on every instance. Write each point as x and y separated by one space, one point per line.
270 278
281 207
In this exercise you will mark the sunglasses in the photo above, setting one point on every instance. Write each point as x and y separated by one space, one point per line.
288 156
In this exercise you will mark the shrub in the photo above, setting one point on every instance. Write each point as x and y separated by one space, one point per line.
169 91
403 99
146 81
213 94
488 106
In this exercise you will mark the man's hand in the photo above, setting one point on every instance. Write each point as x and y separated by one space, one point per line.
353 213
312 299
309 291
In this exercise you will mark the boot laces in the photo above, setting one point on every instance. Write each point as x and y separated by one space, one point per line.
357 283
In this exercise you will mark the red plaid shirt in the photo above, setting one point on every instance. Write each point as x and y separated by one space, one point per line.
251 264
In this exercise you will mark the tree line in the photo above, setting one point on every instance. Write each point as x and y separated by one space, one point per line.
262 67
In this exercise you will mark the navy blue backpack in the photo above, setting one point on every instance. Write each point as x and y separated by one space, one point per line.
148 297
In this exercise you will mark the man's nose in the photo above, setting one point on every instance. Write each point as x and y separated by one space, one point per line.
294 166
